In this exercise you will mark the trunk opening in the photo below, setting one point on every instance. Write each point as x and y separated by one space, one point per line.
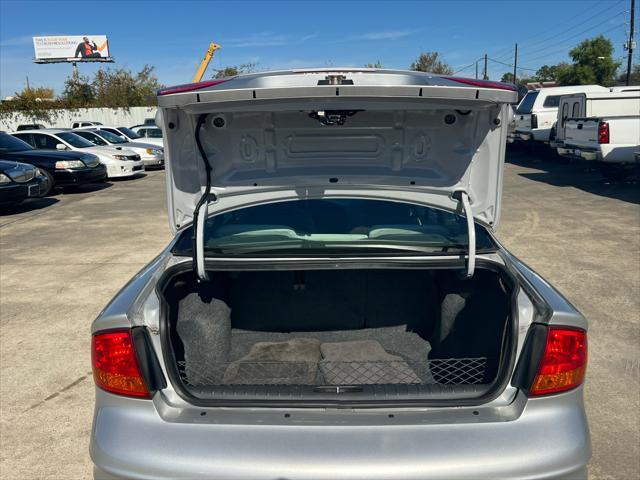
358 336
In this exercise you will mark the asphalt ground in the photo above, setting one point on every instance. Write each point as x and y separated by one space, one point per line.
62 258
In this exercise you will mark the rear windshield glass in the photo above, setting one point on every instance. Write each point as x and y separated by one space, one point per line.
12 144
552 101
527 102
129 133
334 226
110 137
75 140
153 132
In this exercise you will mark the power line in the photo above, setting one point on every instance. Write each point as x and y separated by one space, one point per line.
564 25
566 30
582 32
512 65
563 49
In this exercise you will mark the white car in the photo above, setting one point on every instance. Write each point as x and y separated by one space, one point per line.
120 162
537 112
152 155
150 133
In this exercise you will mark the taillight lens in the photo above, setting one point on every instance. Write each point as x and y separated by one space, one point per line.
534 120
115 365
603 132
564 362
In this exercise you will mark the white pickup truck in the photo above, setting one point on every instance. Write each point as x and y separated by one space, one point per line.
606 130
538 110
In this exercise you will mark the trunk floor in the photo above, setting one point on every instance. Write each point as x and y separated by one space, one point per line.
387 355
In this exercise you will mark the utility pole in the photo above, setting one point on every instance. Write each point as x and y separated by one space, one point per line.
631 43
28 88
515 64
485 77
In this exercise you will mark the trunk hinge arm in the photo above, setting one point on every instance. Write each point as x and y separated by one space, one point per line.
201 209
463 199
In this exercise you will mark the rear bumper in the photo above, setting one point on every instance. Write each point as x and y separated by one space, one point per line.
579 154
80 176
543 438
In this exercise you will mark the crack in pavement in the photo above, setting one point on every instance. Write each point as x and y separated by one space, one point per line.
56 394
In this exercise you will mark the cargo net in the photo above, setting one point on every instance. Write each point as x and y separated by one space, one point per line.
451 371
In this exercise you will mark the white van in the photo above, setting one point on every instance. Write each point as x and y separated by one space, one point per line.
618 101
538 110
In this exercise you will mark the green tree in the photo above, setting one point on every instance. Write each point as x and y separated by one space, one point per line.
431 62
507 78
36 93
549 73
78 91
234 70
373 65
634 77
592 64
119 88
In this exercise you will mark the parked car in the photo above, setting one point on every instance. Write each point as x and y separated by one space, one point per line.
120 162
151 122
335 303
84 123
150 134
538 110
603 127
30 126
61 168
151 155
19 181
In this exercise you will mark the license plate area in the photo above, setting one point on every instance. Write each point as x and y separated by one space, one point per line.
33 190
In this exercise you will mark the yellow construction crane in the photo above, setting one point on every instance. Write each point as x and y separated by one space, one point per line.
205 61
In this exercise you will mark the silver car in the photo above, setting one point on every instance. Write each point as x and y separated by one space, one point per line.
151 155
334 303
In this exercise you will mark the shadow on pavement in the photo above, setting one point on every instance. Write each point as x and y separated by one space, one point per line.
28 206
87 188
562 173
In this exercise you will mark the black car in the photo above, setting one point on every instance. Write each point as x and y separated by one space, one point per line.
62 168
19 181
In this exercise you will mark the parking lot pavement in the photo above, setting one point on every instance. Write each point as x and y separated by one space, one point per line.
61 263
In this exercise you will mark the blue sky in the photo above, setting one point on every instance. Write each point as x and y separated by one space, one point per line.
173 35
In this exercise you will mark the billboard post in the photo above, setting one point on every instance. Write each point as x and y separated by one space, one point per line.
72 49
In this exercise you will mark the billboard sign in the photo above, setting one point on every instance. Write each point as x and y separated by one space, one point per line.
72 48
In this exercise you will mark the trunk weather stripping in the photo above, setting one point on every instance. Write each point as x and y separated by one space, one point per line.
463 198
201 209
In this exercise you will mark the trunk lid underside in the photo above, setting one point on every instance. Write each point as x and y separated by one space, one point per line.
417 132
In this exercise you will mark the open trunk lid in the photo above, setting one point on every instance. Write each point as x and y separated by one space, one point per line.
340 128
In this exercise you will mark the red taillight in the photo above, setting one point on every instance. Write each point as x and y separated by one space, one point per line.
484 83
564 362
115 365
190 87
534 120
603 132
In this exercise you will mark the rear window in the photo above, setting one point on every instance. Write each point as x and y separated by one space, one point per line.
336 226
575 112
551 101
527 102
